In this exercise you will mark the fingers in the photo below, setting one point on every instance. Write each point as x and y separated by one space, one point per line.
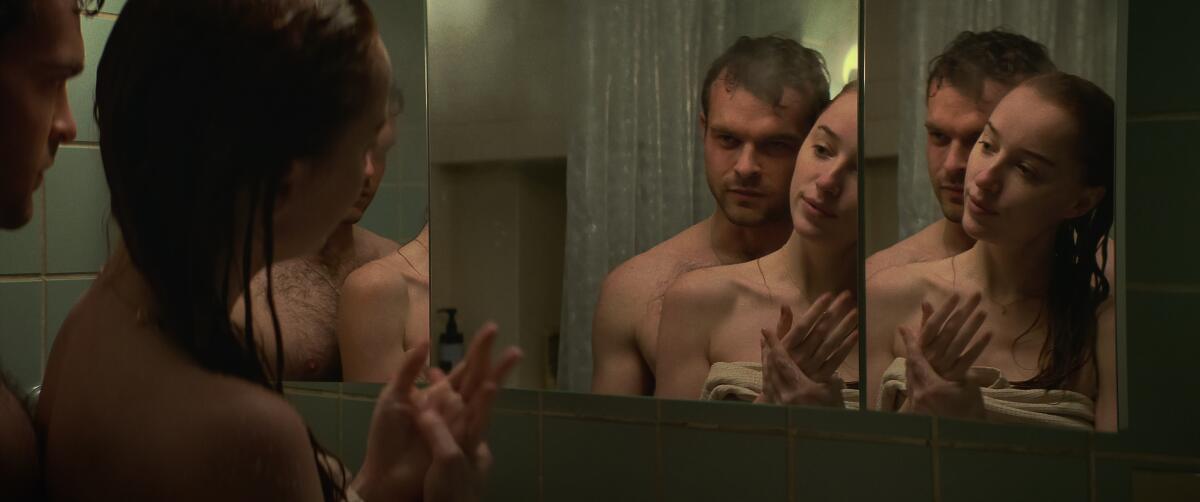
809 320
954 349
932 327
833 342
400 387
477 364
835 360
437 435
959 370
950 331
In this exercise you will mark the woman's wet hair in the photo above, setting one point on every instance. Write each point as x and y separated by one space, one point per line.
202 108
1078 285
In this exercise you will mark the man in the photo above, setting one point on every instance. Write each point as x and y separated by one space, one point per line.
40 49
307 290
965 83
758 102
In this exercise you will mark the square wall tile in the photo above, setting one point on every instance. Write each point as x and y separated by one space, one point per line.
356 423
582 459
21 332
518 400
719 465
61 297
1114 481
414 210
21 249
725 413
77 212
383 215
642 409
513 439
1053 439
1166 486
981 476
364 390
1162 349
835 469
810 421
81 90
321 415
1162 169
1154 30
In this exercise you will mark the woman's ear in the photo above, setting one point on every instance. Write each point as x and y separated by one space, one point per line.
1087 201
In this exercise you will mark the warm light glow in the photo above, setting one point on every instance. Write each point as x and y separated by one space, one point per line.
850 63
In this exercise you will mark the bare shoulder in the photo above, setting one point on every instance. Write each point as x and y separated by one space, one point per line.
263 451
375 245
910 250
378 277
648 275
706 288
903 284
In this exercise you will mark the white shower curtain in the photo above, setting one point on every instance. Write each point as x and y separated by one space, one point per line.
1081 36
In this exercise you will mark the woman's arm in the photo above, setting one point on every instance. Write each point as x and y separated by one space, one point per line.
1106 365
682 361
371 317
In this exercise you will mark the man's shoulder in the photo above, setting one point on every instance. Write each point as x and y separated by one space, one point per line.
915 248
708 288
374 246
900 282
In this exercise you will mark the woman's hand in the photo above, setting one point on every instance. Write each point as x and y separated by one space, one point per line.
454 419
802 368
397 459
939 359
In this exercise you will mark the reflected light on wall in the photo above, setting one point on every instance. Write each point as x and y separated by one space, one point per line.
850 64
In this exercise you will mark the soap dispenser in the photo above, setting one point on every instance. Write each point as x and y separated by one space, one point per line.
450 343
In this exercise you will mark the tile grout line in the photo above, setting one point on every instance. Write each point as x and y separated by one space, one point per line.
659 474
934 460
1092 467
541 488
1162 117
46 277
791 455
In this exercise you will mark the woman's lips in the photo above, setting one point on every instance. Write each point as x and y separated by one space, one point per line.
979 206
816 208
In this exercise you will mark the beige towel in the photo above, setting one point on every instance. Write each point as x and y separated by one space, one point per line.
742 381
1004 403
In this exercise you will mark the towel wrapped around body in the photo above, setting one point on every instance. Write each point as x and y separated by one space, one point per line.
742 381
1003 402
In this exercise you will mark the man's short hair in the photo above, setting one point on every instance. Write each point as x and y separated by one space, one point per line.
765 66
998 55
14 13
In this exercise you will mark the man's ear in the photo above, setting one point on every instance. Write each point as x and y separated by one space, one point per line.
703 122
1090 198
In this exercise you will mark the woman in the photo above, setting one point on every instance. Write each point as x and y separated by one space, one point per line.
704 342
1039 187
234 135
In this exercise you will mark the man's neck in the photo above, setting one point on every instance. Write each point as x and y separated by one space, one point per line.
952 237
338 248
738 244
817 268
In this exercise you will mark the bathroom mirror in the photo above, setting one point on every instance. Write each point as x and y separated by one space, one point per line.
332 332
991 199
568 138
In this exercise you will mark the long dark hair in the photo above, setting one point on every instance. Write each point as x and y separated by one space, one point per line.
1078 285
202 107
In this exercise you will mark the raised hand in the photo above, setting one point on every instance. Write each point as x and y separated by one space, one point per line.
455 413
940 357
802 367
397 458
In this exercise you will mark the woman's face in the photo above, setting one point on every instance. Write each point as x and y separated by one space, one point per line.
322 190
1024 175
824 194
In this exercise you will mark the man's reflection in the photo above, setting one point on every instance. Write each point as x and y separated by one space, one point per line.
307 290
759 100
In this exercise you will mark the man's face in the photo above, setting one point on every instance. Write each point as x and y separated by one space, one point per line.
376 166
35 62
750 149
953 124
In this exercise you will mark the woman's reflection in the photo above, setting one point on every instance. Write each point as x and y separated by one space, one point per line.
711 330
1029 303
